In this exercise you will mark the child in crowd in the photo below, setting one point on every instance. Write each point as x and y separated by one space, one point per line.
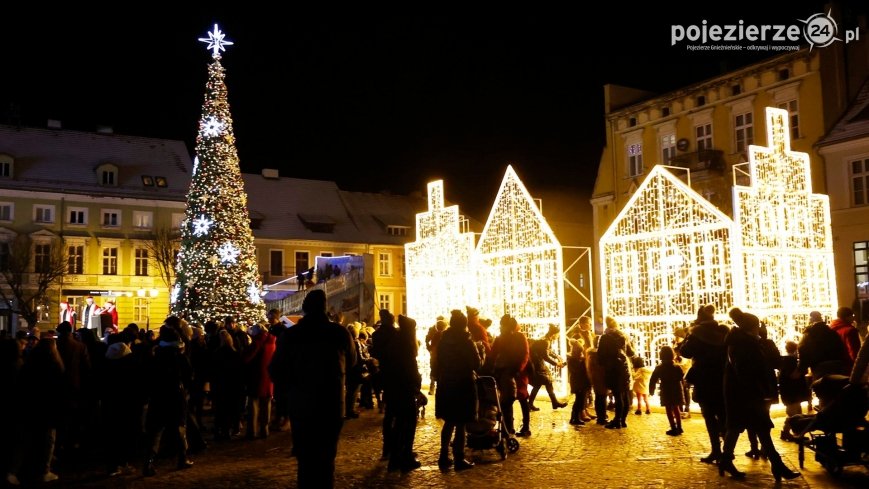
642 374
685 365
792 387
672 397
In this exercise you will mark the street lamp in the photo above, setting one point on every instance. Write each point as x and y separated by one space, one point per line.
147 295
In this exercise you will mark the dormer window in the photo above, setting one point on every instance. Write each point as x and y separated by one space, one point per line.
6 166
318 223
107 175
397 230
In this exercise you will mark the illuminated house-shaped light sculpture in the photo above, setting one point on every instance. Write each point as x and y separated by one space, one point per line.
438 267
518 263
670 251
783 243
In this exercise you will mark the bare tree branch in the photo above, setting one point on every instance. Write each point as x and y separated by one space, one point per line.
28 276
162 249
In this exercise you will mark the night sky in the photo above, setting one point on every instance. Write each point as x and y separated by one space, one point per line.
375 100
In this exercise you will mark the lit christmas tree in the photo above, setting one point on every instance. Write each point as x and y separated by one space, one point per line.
216 269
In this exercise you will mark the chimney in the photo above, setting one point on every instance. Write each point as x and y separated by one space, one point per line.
53 124
105 130
271 173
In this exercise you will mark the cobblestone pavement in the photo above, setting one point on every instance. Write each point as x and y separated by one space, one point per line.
557 455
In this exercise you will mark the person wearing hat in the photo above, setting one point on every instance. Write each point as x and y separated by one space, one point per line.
170 375
747 378
478 332
432 339
311 359
821 350
541 354
704 345
122 406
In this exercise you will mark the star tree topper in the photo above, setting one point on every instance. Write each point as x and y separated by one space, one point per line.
216 42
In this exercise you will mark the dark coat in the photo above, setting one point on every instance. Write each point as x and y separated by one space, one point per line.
456 397
823 351
170 376
746 389
792 390
541 354
613 353
705 346
311 359
77 367
509 358
41 388
122 395
577 376
671 392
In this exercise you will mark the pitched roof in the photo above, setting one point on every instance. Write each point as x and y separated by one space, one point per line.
373 214
67 161
855 122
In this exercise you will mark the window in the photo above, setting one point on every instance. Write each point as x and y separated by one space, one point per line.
794 112
111 218
860 181
327 254
109 177
147 181
401 266
703 133
78 215
5 169
42 258
635 159
75 260
276 263
744 125
43 214
861 268
668 147
384 264
632 122
784 74
140 310
141 262
665 111
397 230
701 100
177 217
385 301
110 261
735 90
143 219
4 256
6 211
302 260
161 182
404 304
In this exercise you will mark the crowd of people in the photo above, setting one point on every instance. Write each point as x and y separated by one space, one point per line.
121 395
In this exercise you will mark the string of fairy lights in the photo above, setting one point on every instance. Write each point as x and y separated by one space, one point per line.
216 270
670 251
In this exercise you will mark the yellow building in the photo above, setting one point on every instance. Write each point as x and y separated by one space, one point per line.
707 127
100 197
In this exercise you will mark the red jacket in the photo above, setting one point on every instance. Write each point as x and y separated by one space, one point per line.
850 337
257 358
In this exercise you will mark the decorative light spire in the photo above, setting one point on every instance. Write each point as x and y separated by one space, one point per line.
216 42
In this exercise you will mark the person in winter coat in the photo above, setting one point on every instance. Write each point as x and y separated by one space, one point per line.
256 359
456 397
311 359
746 392
597 380
123 405
541 354
614 352
170 376
672 396
509 358
821 350
577 377
843 326
704 344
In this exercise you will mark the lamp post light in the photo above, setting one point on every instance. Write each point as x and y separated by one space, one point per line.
147 295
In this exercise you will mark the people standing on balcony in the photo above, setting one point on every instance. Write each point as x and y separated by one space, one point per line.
112 311
704 345
614 353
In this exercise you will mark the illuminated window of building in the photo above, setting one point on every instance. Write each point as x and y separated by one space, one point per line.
793 109
110 261
635 159
384 264
860 182
143 219
141 262
75 260
397 230
404 304
861 268
402 266
140 310
668 148
177 218
385 301
703 136
744 127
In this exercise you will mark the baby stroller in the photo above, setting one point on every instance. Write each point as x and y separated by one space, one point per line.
838 433
488 431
